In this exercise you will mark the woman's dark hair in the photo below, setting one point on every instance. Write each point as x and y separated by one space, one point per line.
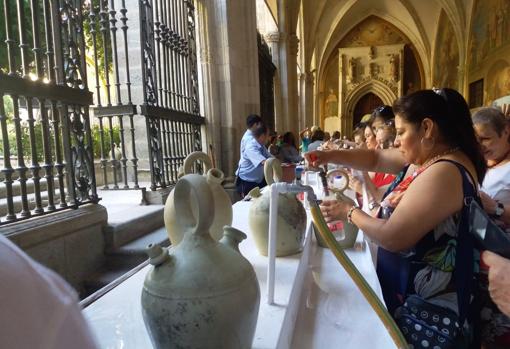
449 110
492 117
336 135
317 135
384 112
259 131
288 138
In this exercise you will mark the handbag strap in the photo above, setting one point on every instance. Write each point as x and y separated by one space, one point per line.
465 245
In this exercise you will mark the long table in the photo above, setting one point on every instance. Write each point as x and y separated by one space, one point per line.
317 304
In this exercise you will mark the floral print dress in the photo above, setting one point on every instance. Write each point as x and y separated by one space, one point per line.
427 270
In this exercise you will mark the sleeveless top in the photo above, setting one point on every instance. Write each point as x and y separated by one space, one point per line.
429 268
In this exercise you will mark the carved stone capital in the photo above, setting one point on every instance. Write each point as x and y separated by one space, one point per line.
273 38
293 44
309 77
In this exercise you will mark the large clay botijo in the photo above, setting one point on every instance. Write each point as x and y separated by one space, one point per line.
202 293
222 203
291 216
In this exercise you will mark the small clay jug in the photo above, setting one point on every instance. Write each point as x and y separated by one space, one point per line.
222 203
350 230
291 216
202 293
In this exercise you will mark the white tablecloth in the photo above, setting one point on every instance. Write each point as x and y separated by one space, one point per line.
317 304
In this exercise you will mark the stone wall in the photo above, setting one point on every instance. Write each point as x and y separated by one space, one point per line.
69 242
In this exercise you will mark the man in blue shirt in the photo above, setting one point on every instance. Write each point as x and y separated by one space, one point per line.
252 122
250 172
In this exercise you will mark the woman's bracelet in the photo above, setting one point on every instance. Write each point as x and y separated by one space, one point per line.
350 212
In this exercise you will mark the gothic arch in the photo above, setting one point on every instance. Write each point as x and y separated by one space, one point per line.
416 39
376 87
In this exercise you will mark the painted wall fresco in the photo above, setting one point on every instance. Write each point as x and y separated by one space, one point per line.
373 31
498 81
489 47
446 55
490 30
331 88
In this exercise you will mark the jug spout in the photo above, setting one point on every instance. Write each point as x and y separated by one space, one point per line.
232 237
157 254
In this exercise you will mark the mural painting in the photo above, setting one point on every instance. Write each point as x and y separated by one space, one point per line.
490 30
498 81
330 107
446 55
490 40
373 31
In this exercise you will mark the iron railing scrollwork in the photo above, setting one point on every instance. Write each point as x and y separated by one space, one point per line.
171 103
169 84
46 159
54 132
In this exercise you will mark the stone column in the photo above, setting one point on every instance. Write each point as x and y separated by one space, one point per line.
291 98
273 40
230 74
308 99
301 101
284 51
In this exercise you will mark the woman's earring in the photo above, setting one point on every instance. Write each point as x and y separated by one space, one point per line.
427 143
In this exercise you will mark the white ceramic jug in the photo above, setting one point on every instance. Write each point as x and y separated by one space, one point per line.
203 293
222 203
291 216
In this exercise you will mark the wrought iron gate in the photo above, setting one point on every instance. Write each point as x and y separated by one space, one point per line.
52 127
44 110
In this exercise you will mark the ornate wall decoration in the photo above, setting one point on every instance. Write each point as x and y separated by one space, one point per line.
395 70
489 47
446 55
490 30
498 81
380 74
374 70
373 31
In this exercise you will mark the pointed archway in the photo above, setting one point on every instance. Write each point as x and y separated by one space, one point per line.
365 105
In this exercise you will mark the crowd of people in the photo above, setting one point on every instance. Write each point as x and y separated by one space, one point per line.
415 165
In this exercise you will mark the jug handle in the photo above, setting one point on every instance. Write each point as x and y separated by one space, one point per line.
194 185
273 171
194 157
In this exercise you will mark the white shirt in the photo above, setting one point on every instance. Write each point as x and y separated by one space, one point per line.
496 183
38 309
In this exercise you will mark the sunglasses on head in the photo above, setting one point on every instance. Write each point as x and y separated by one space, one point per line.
382 109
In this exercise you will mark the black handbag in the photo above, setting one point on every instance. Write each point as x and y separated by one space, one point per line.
426 325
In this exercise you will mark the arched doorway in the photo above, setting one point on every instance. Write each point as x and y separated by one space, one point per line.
365 105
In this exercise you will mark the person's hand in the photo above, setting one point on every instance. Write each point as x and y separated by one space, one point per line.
355 184
329 145
505 108
499 280
489 204
334 210
317 158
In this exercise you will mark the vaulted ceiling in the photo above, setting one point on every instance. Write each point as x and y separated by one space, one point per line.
323 23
